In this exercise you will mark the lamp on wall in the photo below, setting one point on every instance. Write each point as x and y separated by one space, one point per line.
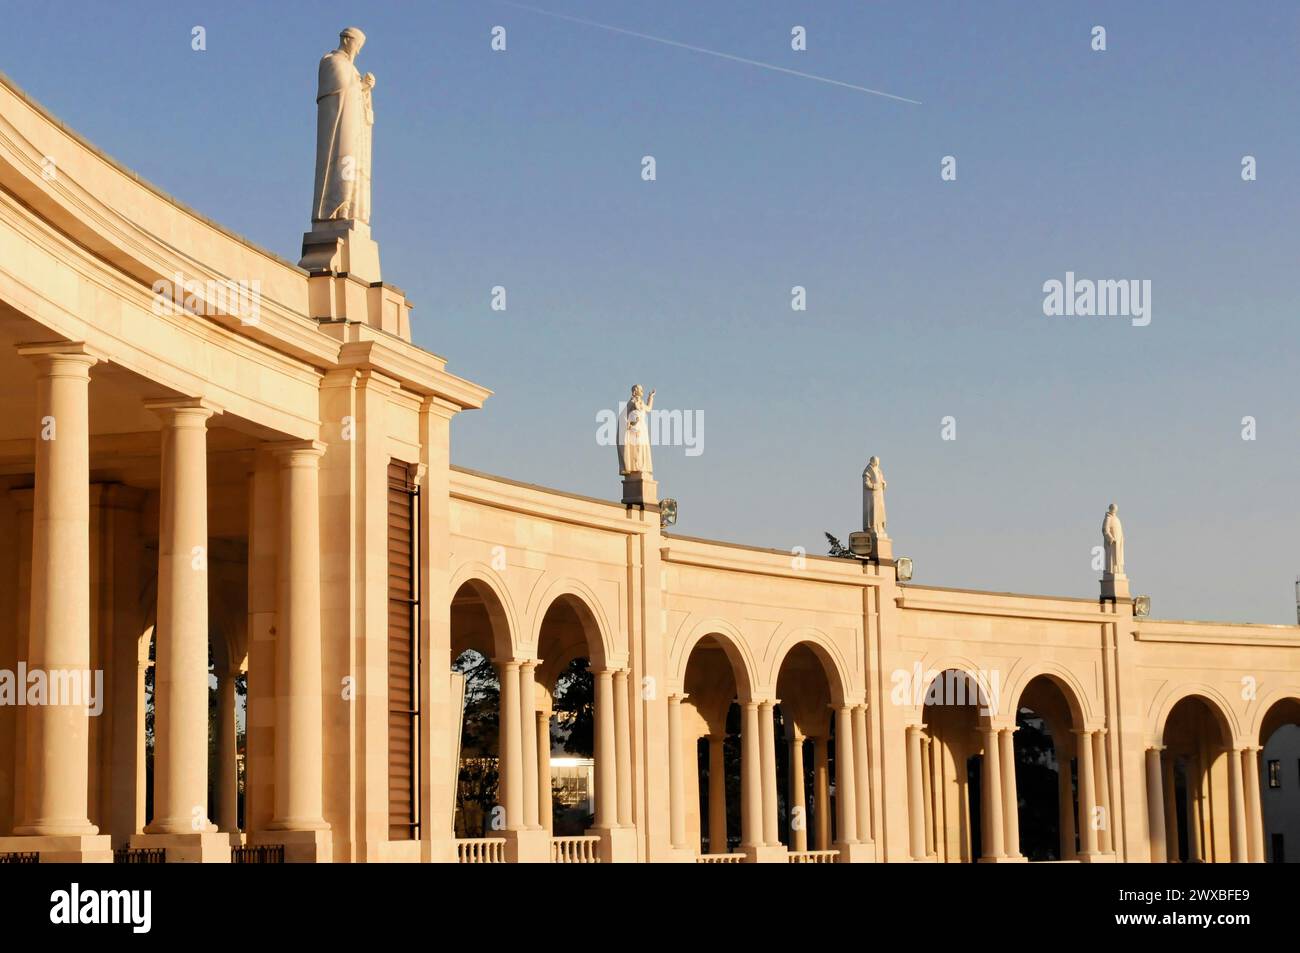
667 513
903 568
1141 606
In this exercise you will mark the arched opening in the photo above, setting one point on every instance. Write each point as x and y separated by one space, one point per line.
1046 774
1278 771
568 736
479 634
950 753
1198 763
710 752
808 766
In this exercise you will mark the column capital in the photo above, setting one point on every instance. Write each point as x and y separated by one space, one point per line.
297 453
677 697
1156 748
61 358
183 411
507 663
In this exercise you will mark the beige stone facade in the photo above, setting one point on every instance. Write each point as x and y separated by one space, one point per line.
219 480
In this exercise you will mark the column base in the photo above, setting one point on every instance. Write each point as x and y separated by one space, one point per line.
300 847
201 847
1096 857
765 854
617 844
529 846
62 848
1005 859
863 852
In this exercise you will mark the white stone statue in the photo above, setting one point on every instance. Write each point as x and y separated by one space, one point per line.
873 498
634 447
1112 536
344 117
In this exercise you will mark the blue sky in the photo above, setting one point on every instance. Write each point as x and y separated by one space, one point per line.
522 169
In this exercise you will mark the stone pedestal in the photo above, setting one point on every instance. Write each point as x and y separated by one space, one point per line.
1114 586
300 846
342 246
859 853
200 847
868 545
528 846
640 489
617 844
766 854
62 849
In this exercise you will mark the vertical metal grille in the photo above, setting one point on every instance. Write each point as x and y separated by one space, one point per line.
403 654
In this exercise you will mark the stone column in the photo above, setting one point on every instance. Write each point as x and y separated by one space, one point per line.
1171 809
927 793
56 767
1237 807
862 784
845 792
227 787
676 782
606 753
991 823
623 744
1105 843
798 806
299 780
1254 809
1087 794
717 795
528 741
180 779
1065 798
915 793
822 792
510 754
545 814
1193 796
1156 805
751 778
1010 800
767 741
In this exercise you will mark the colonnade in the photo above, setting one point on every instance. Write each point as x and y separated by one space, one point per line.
55 802
1245 814
760 822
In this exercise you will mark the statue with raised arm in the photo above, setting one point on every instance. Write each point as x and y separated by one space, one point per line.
873 498
344 117
1112 537
634 448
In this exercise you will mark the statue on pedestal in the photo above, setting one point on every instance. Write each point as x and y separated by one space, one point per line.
873 498
344 118
1112 537
634 447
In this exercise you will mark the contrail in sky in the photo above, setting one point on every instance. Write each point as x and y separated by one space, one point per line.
700 49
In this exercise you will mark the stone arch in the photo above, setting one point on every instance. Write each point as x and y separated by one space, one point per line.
936 669
578 596
1268 710
1076 697
1213 699
490 590
732 643
826 652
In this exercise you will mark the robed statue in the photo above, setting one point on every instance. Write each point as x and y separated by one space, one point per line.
344 118
634 447
873 498
1112 537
